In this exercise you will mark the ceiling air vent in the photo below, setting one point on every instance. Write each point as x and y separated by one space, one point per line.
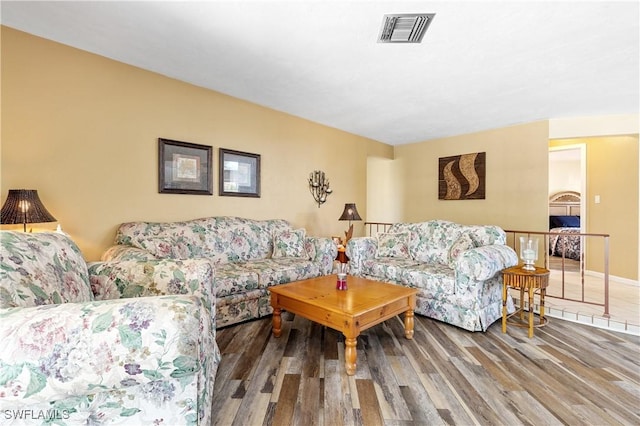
404 28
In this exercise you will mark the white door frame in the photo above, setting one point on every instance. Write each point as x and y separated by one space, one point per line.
583 179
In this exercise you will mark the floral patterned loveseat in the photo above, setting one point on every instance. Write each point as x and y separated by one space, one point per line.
248 255
456 268
78 348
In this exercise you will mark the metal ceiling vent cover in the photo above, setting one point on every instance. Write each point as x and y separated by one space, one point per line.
404 28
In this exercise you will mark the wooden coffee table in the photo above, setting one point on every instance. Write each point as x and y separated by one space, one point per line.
364 304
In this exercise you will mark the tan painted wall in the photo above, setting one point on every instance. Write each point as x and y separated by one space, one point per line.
612 173
383 204
516 178
83 130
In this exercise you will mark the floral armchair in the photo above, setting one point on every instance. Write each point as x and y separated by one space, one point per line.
94 345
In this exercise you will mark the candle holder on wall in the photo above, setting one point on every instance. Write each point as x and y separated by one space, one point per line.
319 186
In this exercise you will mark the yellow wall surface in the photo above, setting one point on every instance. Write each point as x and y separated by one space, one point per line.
383 203
516 178
612 173
83 130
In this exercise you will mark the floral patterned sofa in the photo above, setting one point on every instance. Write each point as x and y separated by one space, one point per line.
77 349
456 268
248 256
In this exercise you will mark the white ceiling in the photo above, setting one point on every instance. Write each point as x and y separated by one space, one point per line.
481 65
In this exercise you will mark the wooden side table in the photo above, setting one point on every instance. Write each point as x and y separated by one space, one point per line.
516 277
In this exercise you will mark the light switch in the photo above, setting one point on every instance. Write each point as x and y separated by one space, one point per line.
597 199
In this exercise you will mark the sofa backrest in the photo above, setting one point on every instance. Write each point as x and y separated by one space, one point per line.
431 241
486 235
41 268
221 239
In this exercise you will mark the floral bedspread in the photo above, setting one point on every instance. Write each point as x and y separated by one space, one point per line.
569 244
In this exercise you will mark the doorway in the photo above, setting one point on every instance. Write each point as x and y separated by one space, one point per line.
567 173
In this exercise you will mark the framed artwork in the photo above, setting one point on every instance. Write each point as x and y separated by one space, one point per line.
239 173
462 177
184 168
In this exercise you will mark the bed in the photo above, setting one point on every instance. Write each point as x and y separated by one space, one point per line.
564 218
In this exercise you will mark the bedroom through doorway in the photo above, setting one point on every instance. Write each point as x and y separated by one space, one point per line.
567 205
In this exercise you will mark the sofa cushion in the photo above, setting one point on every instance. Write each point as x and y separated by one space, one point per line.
282 270
386 269
462 244
289 243
233 278
434 280
41 269
393 245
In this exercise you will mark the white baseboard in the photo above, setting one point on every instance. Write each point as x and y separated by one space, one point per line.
592 320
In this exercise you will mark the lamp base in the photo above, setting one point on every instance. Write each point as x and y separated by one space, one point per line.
348 234
529 267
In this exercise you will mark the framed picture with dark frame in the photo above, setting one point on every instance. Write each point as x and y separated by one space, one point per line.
239 173
184 168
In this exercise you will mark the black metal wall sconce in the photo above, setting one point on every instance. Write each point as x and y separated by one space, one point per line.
319 186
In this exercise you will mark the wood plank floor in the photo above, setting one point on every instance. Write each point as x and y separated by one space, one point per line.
567 373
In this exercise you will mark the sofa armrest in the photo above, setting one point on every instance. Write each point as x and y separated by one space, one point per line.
358 250
138 278
56 352
121 252
483 263
322 251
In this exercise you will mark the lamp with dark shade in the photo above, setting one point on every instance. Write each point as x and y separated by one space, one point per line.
350 213
24 206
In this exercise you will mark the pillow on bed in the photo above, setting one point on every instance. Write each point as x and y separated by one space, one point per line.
564 221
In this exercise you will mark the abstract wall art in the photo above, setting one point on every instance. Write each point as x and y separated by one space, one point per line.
462 177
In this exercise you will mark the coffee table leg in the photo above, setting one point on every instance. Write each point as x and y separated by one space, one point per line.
408 324
276 327
350 355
